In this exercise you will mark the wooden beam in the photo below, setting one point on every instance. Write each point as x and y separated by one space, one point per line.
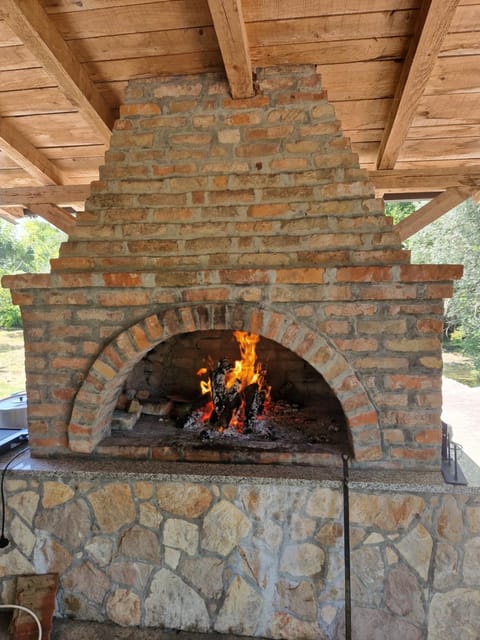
431 211
229 26
434 22
33 26
12 214
23 153
44 195
55 215
423 179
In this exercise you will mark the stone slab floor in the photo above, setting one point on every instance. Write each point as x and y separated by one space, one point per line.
64 630
72 630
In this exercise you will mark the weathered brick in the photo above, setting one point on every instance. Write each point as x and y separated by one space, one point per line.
265 133
139 109
243 119
257 150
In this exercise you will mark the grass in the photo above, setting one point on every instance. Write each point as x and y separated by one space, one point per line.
12 362
460 368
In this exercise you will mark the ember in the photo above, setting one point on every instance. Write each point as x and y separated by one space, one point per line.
237 393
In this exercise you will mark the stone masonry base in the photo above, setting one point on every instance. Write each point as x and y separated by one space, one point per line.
239 550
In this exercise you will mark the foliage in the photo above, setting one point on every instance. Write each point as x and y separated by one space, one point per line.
399 210
26 248
455 239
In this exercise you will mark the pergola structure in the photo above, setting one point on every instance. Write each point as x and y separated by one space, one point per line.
403 75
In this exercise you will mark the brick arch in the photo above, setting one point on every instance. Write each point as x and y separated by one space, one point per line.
97 396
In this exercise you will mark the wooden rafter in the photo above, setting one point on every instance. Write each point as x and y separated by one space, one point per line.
44 195
229 26
33 26
424 179
55 215
432 210
435 19
27 156
11 214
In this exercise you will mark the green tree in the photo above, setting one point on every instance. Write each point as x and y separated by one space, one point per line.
25 248
399 210
455 239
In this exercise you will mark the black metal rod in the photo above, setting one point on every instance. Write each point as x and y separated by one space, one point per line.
346 550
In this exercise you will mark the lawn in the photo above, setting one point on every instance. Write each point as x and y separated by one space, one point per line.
12 362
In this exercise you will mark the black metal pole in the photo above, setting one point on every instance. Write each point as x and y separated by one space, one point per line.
346 550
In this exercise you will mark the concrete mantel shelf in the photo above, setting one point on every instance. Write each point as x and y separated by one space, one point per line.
117 469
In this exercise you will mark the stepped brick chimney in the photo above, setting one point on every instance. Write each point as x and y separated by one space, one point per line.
215 214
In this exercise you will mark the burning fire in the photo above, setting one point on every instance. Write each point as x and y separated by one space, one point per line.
238 392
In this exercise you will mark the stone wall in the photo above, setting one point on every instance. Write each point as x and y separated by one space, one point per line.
260 557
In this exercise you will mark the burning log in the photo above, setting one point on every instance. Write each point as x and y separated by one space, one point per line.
254 401
237 393
226 400
219 386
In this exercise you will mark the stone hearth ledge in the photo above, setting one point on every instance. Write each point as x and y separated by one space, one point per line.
390 480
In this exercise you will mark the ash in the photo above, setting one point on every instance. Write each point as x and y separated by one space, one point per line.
282 423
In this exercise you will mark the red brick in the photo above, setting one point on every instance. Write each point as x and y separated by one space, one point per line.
141 109
122 279
159 170
405 453
246 103
364 274
357 344
430 272
363 419
268 210
201 139
140 340
289 164
429 436
430 325
121 125
69 363
257 150
268 132
388 292
231 197
123 299
300 276
246 118
243 276
439 291
216 294
180 106
410 381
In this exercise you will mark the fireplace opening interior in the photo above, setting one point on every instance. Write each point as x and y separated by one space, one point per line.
289 407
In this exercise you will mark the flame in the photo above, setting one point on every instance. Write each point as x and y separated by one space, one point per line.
245 372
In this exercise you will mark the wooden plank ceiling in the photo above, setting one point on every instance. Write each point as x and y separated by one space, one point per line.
404 76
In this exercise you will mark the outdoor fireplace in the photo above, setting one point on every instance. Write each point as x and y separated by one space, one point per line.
215 215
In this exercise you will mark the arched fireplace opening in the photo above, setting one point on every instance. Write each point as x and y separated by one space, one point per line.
228 394
162 354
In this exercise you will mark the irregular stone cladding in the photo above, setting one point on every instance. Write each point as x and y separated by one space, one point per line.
244 214
237 555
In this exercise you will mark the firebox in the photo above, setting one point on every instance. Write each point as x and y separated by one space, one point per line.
230 396
213 218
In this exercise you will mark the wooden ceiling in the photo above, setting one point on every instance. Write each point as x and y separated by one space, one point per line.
404 76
